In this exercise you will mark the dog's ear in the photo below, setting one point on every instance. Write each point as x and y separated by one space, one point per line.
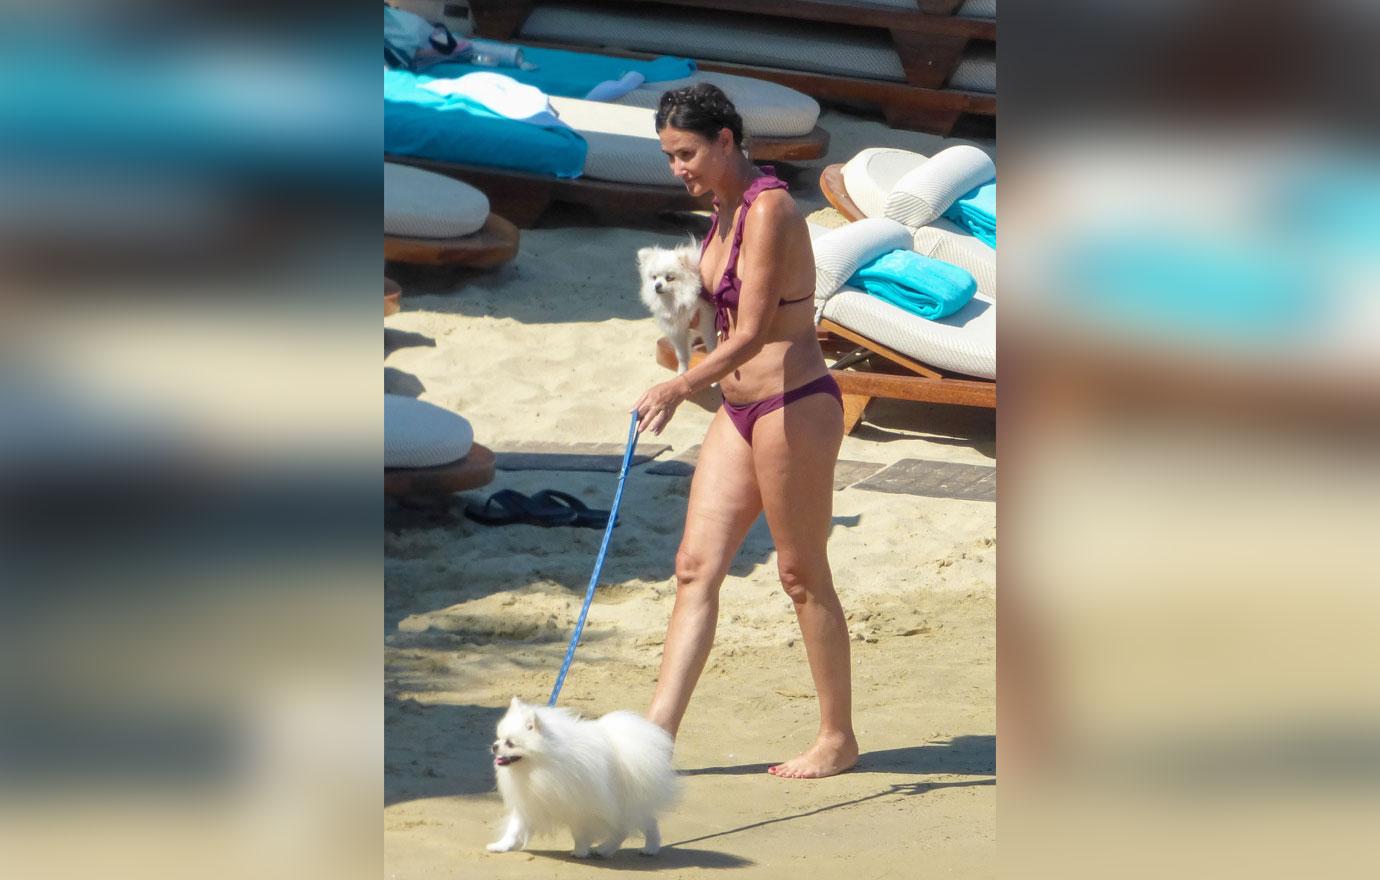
515 704
532 723
644 254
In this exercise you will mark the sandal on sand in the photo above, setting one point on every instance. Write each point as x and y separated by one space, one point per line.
585 516
507 507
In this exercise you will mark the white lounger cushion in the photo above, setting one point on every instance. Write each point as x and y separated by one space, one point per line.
927 190
720 36
421 434
768 109
964 342
977 72
623 144
420 204
977 9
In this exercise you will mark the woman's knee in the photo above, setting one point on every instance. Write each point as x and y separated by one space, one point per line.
799 578
694 571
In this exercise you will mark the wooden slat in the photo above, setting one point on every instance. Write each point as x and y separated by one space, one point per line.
804 148
494 244
474 470
831 184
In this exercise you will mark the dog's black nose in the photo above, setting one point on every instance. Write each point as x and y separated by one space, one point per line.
657 287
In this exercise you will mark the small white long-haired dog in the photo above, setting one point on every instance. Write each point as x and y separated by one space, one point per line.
671 292
603 779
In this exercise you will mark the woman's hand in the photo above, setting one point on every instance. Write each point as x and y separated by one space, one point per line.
656 406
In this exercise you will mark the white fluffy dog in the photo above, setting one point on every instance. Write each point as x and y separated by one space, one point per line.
601 779
671 292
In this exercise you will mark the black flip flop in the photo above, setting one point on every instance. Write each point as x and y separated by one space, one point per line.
507 507
552 500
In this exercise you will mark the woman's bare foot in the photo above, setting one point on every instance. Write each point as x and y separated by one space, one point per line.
831 755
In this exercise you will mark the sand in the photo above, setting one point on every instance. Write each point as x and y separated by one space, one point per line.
556 347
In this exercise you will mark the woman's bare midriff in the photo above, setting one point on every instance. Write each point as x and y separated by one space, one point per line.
789 359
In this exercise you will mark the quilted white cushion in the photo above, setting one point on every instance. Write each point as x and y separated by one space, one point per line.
768 109
977 9
420 204
841 252
977 72
965 342
421 434
721 36
623 145
945 241
928 189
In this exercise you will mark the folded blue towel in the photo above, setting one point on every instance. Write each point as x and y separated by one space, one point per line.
925 286
976 211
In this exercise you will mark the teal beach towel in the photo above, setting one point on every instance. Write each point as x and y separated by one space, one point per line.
926 287
976 211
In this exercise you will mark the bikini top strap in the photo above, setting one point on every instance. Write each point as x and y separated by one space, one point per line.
767 181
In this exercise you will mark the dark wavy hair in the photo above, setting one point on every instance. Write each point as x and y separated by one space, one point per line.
702 108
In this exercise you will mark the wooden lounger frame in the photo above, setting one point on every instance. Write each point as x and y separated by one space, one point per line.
522 197
895 377
474 470
831 184
392 297
930 43
494 244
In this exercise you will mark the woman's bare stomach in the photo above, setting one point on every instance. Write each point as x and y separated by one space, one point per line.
781 365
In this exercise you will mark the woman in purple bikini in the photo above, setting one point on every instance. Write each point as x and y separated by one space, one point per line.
773 445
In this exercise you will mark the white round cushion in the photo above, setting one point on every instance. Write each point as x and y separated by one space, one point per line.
928 189
872 174
421 434
420 204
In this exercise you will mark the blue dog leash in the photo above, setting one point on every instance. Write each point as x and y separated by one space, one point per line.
598 562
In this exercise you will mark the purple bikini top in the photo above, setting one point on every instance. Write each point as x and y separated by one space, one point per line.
725 296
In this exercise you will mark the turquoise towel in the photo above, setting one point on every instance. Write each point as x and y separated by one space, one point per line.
927 287
573 74
976 211
453 128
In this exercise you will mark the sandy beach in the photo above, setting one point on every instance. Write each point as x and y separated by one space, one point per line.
555 347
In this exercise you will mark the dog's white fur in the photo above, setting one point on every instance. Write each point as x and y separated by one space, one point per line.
601 779
671 292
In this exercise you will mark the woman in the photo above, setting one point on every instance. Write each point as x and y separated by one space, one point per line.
773 445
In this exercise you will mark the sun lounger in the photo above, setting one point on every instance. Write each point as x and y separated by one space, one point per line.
609 157
431 219
924 71
429 452
779 122
951 360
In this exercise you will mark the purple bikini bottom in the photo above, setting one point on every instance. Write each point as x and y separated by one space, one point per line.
744 416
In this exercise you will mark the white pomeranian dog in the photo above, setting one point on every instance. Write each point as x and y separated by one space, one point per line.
671 292
601 779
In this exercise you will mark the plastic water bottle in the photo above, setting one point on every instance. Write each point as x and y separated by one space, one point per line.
490 53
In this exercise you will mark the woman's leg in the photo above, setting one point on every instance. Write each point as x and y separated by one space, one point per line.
723 505
795 449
